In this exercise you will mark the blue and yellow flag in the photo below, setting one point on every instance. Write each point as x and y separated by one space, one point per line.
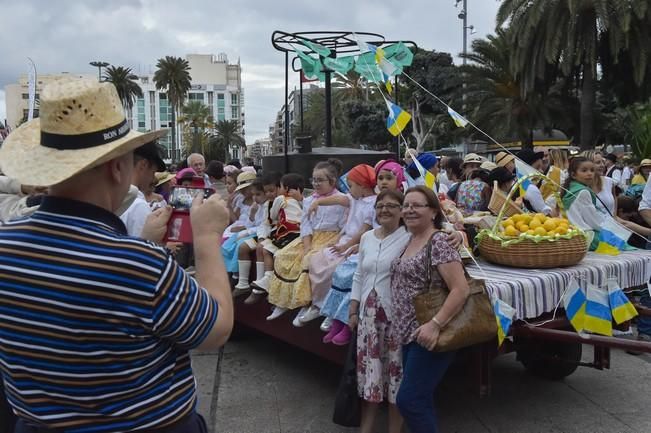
597 312
429 180
459 120
620 307
612 238
397 119
504 315
574 301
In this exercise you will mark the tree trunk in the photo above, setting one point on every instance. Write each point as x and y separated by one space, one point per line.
174 160
587 107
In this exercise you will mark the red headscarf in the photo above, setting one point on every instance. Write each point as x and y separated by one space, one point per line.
363 175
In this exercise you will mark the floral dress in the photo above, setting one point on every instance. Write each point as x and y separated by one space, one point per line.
409 277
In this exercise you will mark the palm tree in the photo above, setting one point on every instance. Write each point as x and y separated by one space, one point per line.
125 83
195 114
500 107
227 135
567 34
173 76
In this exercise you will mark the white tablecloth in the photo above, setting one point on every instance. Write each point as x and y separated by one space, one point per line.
533 292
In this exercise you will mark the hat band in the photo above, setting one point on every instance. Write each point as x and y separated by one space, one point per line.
87 140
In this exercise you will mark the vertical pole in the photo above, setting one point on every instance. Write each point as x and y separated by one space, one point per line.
465 51
328 109
395 91
300 103
286 144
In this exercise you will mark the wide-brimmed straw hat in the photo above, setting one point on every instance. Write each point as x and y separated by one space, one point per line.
81 125
645 163
163 177
245 179
503 158
472 158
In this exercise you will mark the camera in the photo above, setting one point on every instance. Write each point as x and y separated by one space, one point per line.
179 228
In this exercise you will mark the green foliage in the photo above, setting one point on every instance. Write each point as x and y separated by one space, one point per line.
368 123
195 119
125 83
226 136
640 129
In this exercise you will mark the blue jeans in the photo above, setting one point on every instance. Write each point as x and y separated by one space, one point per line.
422 372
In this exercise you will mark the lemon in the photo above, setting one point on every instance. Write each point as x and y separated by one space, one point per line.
541 216
561 230
535 223
523 228
511 231
550 225
531 232
540 231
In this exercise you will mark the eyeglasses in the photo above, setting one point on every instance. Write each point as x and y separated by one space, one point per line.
407 206
318 180
388 206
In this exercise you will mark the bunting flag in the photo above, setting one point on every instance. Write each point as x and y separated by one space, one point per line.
312 68
574 301
620 307
339 64
522 170
429 180
399 55
397 119
612 238
387 68
459 120
317 48
504 315
342 183
597 312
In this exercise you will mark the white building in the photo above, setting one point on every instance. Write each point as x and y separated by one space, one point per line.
259 149
215 82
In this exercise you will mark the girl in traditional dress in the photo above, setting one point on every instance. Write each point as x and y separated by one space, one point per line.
361 181
290 285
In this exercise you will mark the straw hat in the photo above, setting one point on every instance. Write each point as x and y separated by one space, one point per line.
81 125
503 158
487 165
472 158
163 177
645 163
245 179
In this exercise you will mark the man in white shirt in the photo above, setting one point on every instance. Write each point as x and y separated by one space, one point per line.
612 171
146 162
533 197
197 162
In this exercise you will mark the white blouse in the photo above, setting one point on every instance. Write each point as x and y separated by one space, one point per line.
326 218
606 196
362 211
374 267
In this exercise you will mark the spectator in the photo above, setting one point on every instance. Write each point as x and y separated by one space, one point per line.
643 173
471 162
197 162
215 173
455 175
423 368
533 199
545 163
505 159
475 193
612 171
146 162
137 310
604 187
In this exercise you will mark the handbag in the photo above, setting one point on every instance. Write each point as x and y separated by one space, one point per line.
348 405
476 321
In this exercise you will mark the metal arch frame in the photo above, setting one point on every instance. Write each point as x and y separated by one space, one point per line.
340 42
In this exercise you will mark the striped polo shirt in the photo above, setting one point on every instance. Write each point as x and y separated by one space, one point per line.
95 326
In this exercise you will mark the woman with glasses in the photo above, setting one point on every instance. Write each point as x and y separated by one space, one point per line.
290 285
379 357
423 369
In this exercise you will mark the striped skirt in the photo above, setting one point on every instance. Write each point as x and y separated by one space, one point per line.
290 285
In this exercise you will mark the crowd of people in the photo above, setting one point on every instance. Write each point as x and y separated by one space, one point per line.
91 272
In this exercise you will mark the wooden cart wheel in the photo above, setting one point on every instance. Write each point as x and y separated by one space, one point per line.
552 360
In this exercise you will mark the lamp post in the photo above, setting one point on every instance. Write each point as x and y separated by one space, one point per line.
99 65
463 16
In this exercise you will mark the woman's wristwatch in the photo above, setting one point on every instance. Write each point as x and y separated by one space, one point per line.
437 323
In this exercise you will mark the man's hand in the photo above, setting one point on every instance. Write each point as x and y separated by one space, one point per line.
156 225
209 217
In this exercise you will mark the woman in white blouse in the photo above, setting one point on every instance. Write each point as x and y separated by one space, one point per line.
379 357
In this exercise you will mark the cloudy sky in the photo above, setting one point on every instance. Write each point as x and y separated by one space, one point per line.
64 35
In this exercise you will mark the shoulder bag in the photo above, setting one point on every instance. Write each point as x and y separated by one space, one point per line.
476 321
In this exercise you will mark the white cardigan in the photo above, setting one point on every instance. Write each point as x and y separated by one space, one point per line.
374 267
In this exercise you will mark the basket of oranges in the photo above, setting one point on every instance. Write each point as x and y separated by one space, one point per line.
529 240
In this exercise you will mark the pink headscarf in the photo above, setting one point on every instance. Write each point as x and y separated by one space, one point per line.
394 168
185 173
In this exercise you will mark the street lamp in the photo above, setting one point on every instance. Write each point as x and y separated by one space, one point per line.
99 65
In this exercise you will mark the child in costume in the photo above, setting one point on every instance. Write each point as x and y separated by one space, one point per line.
281 226
390 176
290 284
234 197
360 201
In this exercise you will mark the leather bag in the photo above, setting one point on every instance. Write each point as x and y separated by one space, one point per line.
348 404
475 323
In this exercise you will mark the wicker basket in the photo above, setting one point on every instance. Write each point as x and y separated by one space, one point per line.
530 253
497 201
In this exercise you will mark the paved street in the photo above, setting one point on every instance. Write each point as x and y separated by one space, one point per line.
265 386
